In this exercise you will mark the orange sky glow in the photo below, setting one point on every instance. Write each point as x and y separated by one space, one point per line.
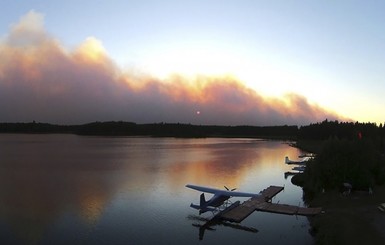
42 80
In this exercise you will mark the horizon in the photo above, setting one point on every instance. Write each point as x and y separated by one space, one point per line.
200 125
156 63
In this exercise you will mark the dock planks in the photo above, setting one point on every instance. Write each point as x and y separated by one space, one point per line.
262 203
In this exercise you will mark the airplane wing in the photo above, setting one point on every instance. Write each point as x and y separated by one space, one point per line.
220 192
203 189
242 194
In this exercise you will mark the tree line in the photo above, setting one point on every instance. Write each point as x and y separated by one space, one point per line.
317 131
348 153
121 128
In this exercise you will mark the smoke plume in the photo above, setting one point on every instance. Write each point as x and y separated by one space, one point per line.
42 80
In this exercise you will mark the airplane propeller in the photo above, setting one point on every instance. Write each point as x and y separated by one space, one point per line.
229 189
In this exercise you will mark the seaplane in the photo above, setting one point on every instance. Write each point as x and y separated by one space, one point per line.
219 198
301 162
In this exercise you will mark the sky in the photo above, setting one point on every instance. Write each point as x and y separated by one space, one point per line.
201 62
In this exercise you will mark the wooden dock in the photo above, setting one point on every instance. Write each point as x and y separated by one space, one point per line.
263 203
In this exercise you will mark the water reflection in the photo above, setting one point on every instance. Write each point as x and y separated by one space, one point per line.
208 224
87 190
228 163
32 200
42 179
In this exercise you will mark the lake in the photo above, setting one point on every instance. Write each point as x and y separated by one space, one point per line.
69 189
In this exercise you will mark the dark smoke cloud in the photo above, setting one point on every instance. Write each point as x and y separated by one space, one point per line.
41 80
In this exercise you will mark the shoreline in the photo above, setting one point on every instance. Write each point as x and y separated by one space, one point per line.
351 219
347 219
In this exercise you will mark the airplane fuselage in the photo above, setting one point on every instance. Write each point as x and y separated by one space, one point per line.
220 196
217 201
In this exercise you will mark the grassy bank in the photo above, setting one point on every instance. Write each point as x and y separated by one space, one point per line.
348 219
352 219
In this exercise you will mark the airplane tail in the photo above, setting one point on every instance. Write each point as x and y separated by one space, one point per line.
202 207
197 207
287 161
202 203
203 200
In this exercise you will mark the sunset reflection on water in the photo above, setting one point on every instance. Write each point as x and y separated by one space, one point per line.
86 190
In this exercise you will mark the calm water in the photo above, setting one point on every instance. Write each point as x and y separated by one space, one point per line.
68 189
